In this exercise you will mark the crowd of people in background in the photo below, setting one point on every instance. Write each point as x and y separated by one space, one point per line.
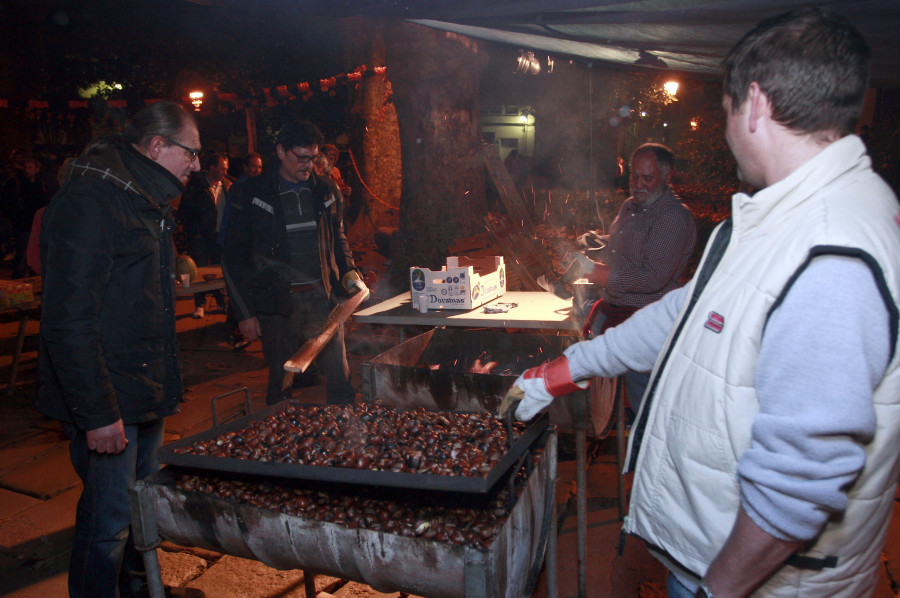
29 179
27 182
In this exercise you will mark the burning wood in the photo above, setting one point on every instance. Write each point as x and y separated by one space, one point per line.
482 368
485 363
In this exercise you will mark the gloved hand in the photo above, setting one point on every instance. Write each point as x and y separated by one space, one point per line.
538 386
584 262
511 400
596 272
354 284
361 287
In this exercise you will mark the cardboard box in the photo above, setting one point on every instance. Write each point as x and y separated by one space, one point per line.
463 283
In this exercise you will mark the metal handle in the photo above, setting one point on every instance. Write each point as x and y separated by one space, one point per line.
228 394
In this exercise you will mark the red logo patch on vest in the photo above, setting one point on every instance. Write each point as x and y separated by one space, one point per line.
715 322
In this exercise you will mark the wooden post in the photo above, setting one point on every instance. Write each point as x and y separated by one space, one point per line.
250 114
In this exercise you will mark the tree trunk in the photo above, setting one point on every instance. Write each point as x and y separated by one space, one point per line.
436 78
375 169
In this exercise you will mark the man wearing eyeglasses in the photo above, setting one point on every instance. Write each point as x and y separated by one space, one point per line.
287 262
109 369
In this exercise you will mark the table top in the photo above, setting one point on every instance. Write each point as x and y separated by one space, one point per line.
20 308
200 285
537 310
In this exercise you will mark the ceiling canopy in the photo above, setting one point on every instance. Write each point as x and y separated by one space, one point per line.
686 35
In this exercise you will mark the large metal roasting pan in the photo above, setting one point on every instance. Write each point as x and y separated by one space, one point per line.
385 561
421 481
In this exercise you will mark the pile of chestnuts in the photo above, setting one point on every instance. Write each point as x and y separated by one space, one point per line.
369 436
465 524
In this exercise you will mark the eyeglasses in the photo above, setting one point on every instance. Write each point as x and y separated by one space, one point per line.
303 158
193 152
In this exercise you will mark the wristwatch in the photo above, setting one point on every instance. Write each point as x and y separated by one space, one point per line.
703 592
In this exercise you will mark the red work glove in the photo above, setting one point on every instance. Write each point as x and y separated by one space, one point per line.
538 386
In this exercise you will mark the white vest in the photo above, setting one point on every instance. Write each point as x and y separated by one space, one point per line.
685 497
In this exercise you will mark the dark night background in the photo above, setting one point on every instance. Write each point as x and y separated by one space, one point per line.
438 84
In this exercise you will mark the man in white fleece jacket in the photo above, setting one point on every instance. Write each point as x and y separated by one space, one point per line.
767 449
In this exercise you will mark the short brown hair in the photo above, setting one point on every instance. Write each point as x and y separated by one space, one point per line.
813 66
212 159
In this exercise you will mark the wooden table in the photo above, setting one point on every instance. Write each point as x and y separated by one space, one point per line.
23 313
201 285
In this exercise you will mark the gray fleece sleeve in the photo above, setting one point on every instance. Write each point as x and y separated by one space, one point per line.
822 354
632 345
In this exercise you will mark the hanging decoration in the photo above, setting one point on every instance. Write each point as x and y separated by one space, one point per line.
270 96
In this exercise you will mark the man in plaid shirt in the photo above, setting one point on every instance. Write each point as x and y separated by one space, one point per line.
644 254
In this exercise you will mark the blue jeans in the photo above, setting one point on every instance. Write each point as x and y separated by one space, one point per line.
635 385
103 553
677 589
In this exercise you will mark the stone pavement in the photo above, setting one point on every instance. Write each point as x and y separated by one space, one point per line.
39 489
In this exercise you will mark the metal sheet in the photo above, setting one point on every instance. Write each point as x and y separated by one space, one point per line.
385 561
403 376
398 378
167 455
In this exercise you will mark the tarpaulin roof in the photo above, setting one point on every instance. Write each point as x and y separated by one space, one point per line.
687 35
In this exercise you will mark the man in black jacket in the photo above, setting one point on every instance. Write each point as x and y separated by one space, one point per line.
287 262
200 213
109 368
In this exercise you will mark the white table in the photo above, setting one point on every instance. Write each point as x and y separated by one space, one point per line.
534 310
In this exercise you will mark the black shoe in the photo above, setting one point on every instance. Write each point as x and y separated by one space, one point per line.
240 344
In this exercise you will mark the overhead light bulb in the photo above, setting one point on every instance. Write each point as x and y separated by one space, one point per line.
527 63
196 99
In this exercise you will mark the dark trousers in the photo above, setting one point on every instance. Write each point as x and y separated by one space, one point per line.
103 553
282 337
20 259
206 252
